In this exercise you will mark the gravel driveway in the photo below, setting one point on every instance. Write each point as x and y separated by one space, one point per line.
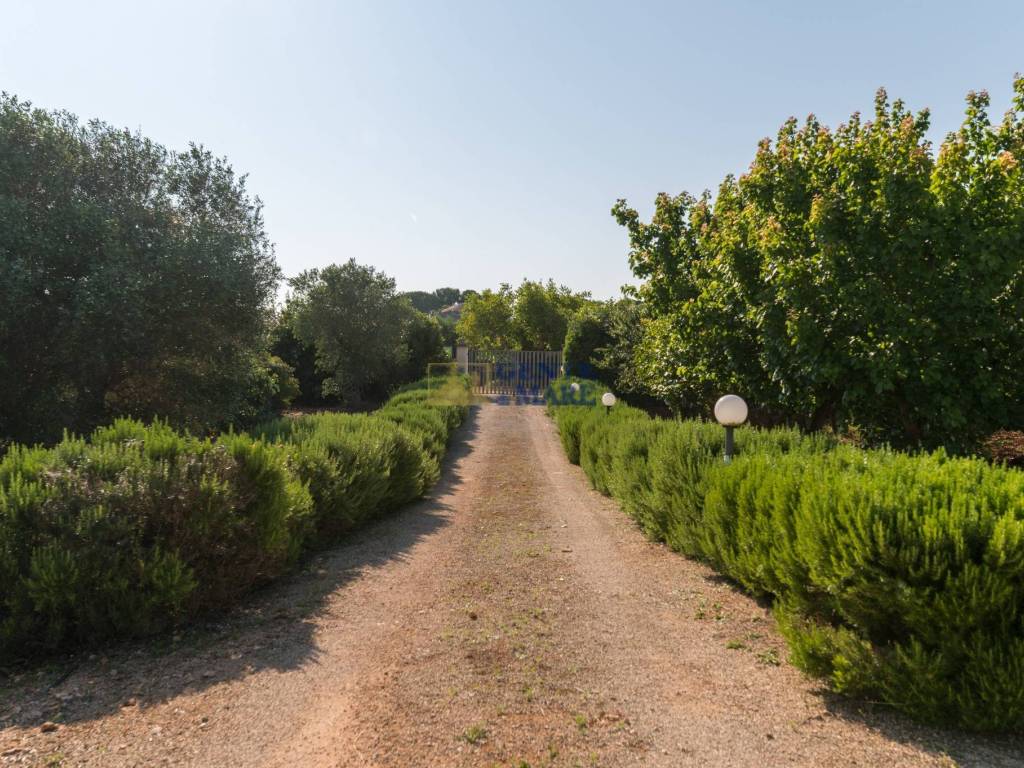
515 618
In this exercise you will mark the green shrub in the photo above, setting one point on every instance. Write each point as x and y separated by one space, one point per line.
360 465
895 576
136 528
139 527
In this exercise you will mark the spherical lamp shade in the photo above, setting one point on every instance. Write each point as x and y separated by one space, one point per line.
607 399
575 387
730 410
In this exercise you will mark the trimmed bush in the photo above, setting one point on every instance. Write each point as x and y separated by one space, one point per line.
137 527
358 466
140 527
896 576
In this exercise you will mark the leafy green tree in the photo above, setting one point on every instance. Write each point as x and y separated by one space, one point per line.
133 280
352 316
586 339
300 357
533 316
486 321
425 343
541 312
601 343
850 277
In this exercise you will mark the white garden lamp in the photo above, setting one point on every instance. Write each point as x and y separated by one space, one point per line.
607 400
730 412
574 387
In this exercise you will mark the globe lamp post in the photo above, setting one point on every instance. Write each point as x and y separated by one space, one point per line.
607 400
730 412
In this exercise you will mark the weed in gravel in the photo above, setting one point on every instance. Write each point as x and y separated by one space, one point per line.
702 610
770 657
475 734
581 721
736 645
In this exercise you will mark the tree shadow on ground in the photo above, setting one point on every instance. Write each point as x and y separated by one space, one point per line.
273 628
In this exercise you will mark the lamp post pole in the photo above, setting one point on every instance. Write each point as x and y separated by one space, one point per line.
730 412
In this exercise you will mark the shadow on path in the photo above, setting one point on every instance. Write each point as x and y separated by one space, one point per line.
274 628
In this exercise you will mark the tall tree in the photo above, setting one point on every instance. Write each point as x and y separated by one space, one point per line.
541 312
352 316
486 321
133 280
850 277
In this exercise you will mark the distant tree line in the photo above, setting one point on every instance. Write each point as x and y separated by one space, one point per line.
533 315
434 301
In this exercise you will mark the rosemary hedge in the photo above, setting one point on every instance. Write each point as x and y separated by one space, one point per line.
139 527
896 576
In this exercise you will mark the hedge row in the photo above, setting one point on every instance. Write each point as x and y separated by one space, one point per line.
897 577
140 527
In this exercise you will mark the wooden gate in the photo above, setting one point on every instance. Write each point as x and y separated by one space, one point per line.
513 372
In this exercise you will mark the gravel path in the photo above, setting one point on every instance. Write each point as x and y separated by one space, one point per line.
515 618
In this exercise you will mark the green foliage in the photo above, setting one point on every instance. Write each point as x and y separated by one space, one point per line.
301 357
486 321
135 528
140 527
850 277
351 315
362 338
541 313
601 343
424 341
133 280
433 301
358 466
895 576
533 316
272 388
586 339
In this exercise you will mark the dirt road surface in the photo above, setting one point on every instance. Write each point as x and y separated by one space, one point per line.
514 618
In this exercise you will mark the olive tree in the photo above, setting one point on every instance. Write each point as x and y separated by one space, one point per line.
351 315
133 280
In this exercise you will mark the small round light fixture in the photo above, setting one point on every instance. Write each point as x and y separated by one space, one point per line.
730 412
574 387
607 400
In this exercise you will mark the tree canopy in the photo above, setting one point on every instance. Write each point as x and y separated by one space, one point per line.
533 316
851 277
133 280
365 337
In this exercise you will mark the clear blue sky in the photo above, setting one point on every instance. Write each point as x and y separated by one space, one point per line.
471 143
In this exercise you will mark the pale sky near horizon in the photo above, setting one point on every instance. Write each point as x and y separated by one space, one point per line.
473 143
